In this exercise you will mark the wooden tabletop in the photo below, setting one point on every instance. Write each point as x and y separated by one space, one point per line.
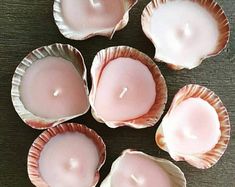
28 24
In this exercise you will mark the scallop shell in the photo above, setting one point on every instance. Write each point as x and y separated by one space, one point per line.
212 6
208 159
102 59
43 139
77 35
58 50
176 175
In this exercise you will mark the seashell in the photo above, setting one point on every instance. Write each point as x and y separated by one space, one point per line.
174 173
64 51
203 159
98 9
38 145
178 61
153 115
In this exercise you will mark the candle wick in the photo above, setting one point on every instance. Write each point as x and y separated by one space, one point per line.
56 93
136 179
189 134
124 90
95 3
73 163
187 30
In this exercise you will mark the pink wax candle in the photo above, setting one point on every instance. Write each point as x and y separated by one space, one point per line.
126 90
70 159
92 15
67 155
137 169
192 127
196 129
52 88
130 173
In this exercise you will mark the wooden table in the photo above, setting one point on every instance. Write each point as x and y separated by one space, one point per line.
28 24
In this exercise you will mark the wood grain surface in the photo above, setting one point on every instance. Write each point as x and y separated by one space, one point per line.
28 24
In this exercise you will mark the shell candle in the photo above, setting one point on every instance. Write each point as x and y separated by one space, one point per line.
126 87
79 19
137 169
121 78
196 128
199 30
52 87
66 155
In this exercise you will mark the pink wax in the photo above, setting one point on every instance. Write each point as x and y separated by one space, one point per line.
92 15
126 90
69 160
192 127
137 170
53 88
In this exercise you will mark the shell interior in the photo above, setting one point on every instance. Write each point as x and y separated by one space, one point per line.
208 159
56 50
102 59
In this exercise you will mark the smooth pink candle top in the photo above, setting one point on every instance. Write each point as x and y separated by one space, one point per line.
92 15
126 90
136 170
192 127
53 88
69 160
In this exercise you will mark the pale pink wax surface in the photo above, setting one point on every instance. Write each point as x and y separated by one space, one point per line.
184 32
69 160
126 90
136 170
92 15
192 127
53 88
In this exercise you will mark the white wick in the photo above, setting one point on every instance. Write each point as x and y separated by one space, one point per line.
188 134
124 90
137 180
187 31
182 33
56 93
73 163
95 3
